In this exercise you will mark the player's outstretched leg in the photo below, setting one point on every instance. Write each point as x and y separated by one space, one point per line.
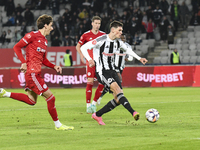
17 96
2 92
108 107
123 100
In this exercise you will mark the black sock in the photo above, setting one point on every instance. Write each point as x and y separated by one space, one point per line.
122 99
108 107
105 90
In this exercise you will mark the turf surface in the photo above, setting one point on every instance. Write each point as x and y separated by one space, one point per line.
27 127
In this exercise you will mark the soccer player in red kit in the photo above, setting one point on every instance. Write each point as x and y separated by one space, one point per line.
36 45
88 36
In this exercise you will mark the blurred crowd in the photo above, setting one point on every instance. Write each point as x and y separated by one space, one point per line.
138 16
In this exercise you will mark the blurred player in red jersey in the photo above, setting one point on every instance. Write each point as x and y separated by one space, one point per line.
36 44
88 36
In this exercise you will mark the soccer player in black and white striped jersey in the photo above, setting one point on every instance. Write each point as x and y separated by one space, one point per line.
119 61
104 49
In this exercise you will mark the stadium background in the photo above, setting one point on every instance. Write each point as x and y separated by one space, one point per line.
134 75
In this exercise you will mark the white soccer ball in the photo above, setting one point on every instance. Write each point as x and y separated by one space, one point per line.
152 115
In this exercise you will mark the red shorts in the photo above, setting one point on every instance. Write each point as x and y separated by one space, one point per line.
90 72
35 83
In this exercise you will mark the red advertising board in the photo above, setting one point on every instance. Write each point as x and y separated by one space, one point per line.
143 76
70 77
160 76
8 58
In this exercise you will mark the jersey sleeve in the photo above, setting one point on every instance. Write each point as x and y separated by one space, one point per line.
22 43
89 45
127 48
28 38
47 63
82 39
96 43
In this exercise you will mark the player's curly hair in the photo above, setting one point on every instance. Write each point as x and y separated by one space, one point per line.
44 19
116 24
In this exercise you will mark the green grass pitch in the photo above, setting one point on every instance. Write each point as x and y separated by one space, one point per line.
25 127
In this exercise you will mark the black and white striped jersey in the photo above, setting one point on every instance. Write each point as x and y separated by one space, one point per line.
104 50
120 58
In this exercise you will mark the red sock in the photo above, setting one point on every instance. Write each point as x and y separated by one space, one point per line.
98 92
89 91
52 108
23 98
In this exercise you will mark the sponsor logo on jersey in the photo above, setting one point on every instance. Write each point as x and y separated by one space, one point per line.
108 54
94 42
107 46
90 38
40 50
38 40
120 54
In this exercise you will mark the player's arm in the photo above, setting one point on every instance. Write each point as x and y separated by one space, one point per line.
129 51
47 63
89 45
17 48
78 48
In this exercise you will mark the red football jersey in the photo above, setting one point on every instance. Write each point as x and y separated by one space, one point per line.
88 36
35 50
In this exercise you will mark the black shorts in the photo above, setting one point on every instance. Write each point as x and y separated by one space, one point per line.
107 77
118 70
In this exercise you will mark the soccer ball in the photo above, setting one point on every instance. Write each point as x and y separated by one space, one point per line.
152 115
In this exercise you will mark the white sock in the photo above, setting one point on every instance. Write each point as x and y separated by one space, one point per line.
88 105
99 99
7 94
58 124
94 103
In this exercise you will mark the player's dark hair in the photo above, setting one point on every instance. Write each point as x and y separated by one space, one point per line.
44 19
96 18
116 24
